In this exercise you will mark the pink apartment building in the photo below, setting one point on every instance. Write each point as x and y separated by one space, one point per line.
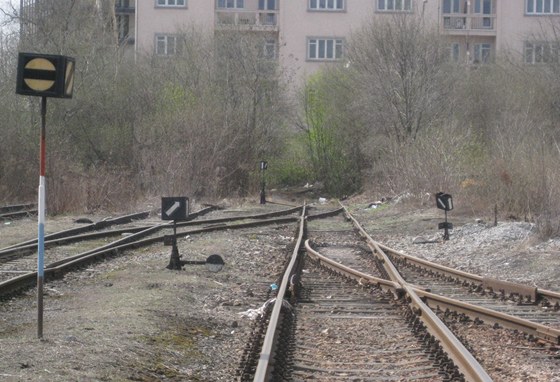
307 34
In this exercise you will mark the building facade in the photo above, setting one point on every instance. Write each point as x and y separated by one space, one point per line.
307 34
304 35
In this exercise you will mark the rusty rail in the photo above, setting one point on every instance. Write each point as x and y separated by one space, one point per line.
543 332
538 330
343 270
467 364
133 241
265 364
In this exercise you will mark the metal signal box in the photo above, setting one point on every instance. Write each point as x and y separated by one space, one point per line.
444 201
45 75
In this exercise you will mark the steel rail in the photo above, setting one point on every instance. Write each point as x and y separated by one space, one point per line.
498 286
58 267
463 359
72 234
323 215
228 219
17 207
449 342
64 236
537 330
17 214
264 366
74 231
552 296
343 270
130 239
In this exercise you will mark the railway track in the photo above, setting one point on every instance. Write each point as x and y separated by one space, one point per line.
72 248
521 316
349 332
323 327
346 313
17 211
478 295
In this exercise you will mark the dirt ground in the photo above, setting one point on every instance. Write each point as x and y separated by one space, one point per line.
131 319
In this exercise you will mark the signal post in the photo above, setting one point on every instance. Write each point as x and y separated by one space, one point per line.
43 75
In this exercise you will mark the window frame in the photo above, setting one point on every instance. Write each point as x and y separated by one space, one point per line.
390 6
542 7
237 4
264 5
541 52
455 52
167 5
450 7
323 5
166 38
338 44
478 53
123 27
270 49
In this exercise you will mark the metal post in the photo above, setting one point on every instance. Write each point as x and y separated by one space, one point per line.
446 230
175 260
41 220
263 195
175 234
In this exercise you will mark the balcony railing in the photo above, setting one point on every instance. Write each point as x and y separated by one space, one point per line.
469 22
266 20
124 8
126 40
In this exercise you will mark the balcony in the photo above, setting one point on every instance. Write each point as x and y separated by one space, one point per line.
126 40
469 24
259 20
123 7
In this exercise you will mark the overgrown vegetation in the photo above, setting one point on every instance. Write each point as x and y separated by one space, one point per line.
394 117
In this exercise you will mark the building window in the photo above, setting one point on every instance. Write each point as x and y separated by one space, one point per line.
166 45
265 17
542 7
230 4
171 3
270 49
541 52
454 52
482 53
268 5
326 5
123 25
324 49
452 6
394 5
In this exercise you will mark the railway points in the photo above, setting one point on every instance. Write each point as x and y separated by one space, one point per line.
203 309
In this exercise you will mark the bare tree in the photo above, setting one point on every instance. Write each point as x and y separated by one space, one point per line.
220 110
399 69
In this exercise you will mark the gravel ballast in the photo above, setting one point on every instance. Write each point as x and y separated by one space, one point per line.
130 318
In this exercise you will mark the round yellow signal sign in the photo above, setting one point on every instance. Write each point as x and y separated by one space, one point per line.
44 82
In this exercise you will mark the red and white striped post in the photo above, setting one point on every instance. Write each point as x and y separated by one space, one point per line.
43 75
41 219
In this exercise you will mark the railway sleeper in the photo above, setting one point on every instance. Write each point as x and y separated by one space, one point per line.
430 344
